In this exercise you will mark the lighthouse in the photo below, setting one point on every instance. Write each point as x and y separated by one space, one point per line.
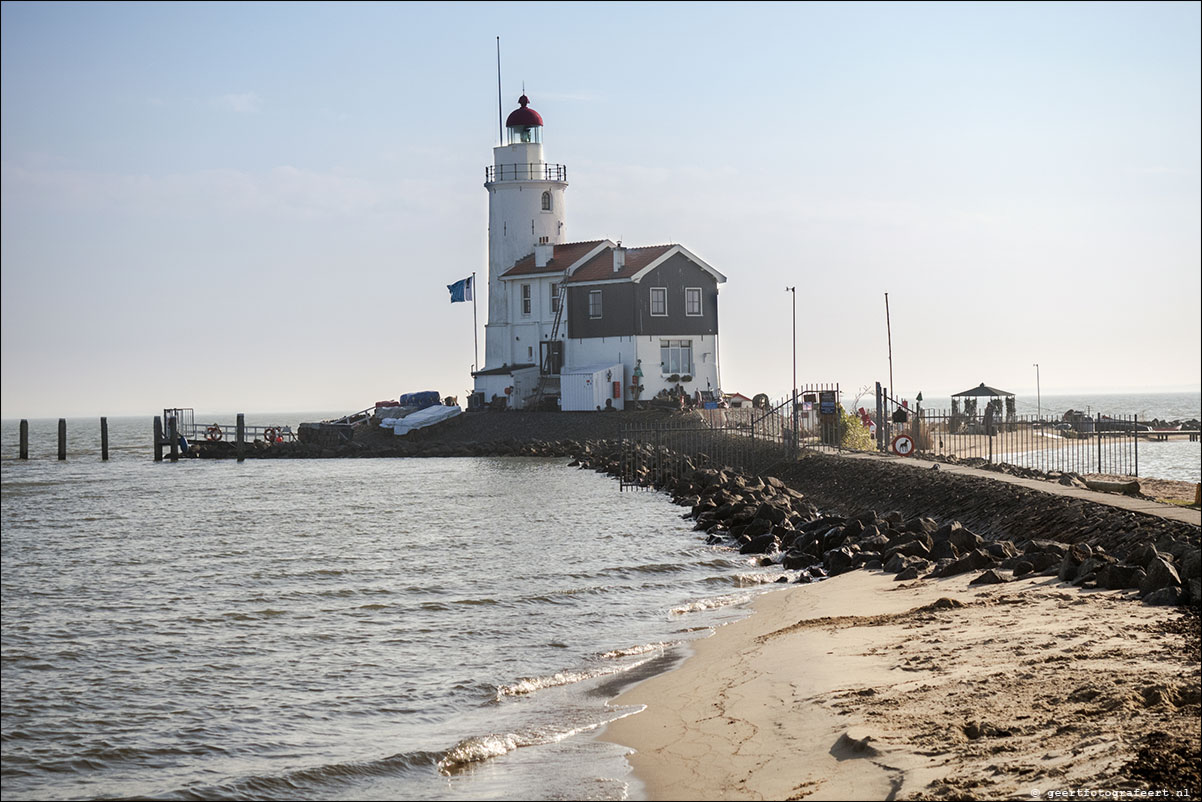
525 210
584 323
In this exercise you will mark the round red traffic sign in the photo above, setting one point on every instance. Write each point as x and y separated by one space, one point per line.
903 445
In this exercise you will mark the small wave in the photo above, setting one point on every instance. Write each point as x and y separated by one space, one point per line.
485 747
749 580
637 650
473 750
710 604
528 685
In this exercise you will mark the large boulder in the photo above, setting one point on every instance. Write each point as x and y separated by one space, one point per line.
839 561
1166 596
761 544
974 560
990 577
1032 546
965 540
1161 574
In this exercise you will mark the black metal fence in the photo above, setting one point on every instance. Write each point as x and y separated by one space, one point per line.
746 439
1104 444
751 439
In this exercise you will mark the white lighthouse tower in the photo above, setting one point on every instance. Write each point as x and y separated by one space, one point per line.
525 209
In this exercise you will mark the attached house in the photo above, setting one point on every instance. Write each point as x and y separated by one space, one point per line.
654 307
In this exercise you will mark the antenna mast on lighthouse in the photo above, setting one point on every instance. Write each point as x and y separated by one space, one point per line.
500 113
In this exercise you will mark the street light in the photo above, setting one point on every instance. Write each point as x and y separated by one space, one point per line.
1038 399
793 395
793 290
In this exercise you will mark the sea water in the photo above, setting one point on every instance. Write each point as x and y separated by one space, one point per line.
385 628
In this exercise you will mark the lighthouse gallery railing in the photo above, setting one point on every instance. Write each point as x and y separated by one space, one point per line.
539 171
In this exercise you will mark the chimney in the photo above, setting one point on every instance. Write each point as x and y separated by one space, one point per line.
544 252
619 258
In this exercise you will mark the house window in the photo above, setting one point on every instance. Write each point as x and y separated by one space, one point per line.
659 301
546 201
594 303
692 301
676 356
555 299
526 300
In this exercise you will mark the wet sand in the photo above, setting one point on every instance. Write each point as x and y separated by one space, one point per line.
861 687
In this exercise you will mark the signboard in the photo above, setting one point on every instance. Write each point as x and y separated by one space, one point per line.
903 445
826 402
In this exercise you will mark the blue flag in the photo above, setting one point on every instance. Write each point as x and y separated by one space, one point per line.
461 290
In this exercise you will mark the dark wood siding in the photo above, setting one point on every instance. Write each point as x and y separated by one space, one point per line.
676 275
617 311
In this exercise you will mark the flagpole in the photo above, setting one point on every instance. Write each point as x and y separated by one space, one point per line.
475 326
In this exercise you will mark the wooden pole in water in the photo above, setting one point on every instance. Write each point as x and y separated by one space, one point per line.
62 438
158 439
173 435
240 436
24 439
104 438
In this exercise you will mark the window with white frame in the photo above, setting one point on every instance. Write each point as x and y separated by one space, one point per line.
594 303
526 300
555 299
676 357
659 301
692 301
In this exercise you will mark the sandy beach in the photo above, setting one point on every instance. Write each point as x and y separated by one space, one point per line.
861 687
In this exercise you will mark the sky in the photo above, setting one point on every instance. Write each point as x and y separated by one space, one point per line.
257 207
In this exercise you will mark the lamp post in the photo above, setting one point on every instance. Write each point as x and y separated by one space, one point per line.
793 394
1038 399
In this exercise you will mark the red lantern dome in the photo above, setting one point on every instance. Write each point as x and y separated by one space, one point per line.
524 117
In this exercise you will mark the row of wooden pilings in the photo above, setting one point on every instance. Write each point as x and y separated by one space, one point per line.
62 438
170 439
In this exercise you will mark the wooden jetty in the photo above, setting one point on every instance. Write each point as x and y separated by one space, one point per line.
180 422
1169 434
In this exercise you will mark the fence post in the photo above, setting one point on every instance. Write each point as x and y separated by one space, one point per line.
240 436
173 436
158 439
1135 436
880 419
104 439
24 452
1097 431
62 438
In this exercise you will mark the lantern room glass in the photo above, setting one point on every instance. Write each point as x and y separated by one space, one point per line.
521 134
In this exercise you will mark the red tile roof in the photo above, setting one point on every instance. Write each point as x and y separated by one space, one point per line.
565 255
601 266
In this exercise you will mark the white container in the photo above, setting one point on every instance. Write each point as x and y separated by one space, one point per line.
589 388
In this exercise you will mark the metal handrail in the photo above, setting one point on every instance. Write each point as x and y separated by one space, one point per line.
535 171
196 432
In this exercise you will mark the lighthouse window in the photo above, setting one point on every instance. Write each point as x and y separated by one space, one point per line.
659 301
526 300
546 201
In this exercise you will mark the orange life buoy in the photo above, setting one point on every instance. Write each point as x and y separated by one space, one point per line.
271 434
214 433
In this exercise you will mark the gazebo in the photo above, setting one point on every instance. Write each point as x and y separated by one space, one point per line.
968 415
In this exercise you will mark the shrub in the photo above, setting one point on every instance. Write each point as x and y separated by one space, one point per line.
853 434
